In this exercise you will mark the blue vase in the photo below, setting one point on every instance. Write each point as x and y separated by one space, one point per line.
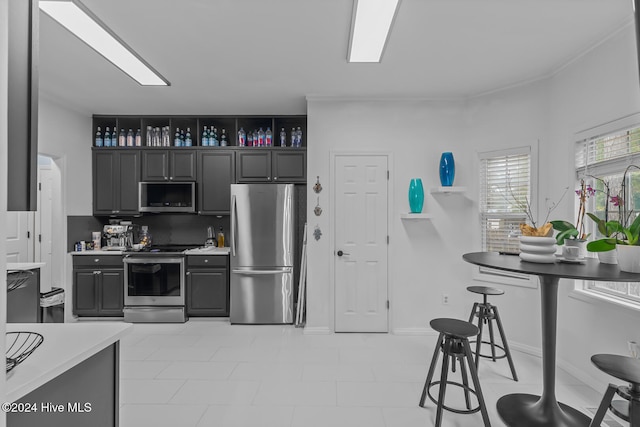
447 169
416 195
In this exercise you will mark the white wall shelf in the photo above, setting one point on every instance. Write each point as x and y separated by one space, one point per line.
448 190
416 216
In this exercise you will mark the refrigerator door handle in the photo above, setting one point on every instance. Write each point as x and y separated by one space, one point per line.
233 225
262 272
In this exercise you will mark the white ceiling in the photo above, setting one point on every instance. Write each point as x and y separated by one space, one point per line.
265 56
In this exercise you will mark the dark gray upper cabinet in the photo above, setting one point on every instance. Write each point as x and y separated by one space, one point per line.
169 165
289 165
116 174
22 101
216 173
271 165
253 165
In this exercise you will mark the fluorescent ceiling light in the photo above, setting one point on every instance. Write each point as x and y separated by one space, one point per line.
370 29
88 28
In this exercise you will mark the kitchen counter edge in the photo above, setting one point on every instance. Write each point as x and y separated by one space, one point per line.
65 345
97 253
24 265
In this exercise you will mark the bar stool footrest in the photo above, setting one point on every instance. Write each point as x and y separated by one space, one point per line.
620 408
488 356
457 411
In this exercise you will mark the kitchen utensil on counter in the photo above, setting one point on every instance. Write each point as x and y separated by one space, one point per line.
220 238
96 237
210 240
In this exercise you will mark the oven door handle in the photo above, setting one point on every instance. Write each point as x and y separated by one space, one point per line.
262 272
128 259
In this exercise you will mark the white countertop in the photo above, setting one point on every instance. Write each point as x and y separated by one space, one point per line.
64 346
98 252
210 250
24 265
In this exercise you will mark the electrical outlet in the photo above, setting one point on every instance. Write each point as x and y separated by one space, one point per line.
445 299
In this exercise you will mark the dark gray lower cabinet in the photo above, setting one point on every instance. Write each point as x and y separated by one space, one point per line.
208 286
98 289
216 173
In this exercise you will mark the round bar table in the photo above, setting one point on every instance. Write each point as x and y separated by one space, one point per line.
528 410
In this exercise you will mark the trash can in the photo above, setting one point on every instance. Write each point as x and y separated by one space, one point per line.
52 306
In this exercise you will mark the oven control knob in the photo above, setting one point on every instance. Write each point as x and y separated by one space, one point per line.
188 273
206 260
96 260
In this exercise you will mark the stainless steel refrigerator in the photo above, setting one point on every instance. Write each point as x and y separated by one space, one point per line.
262 253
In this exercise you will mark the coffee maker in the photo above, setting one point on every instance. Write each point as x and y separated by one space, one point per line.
117 237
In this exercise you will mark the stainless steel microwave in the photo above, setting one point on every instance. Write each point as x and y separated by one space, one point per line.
167 197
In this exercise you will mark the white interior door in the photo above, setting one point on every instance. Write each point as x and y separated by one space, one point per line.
44 227
19 233
361 244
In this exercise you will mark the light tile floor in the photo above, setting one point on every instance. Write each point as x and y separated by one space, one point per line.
209 373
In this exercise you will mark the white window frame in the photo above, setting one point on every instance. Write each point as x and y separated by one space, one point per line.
584 289
485 274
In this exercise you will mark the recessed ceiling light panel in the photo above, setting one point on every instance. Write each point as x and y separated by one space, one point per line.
370 29
76 18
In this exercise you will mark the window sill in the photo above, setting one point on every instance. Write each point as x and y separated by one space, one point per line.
485 274
603 300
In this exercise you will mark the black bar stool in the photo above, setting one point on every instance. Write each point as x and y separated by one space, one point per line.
626 369
488 313
453 342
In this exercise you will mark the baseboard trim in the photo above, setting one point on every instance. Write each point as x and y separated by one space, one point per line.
584 377
568 367
524 348
316 330
414 331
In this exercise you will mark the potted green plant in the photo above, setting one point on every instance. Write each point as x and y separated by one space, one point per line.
628 249
604 247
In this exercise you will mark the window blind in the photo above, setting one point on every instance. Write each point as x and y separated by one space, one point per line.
605 153
505 187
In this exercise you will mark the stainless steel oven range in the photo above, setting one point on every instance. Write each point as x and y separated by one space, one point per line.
154 285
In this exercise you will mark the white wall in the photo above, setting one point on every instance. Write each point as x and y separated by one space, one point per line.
600 87
66 136
424 261
507 119
4 52
425 258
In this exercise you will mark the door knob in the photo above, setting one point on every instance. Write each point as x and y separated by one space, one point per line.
340 253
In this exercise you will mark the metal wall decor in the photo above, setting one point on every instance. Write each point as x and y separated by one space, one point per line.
317 186
317 210
317 233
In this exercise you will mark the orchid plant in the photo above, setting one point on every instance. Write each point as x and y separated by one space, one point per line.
625 230
567 230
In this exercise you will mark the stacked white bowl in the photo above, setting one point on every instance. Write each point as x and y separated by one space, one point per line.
538 249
